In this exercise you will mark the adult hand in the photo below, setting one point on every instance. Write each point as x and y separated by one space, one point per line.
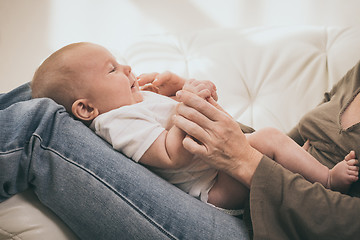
215 137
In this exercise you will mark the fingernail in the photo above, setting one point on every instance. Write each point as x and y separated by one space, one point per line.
179 93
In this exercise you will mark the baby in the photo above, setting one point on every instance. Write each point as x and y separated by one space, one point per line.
93 87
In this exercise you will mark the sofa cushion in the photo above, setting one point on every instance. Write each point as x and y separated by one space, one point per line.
24 217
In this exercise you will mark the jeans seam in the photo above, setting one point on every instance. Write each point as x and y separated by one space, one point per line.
130 203
12 151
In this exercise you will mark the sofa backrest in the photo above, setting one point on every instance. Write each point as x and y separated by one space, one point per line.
268 76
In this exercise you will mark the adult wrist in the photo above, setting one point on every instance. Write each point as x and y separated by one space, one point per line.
247 166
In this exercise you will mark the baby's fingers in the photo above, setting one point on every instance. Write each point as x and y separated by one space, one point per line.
150 87
147 78
162 78
205 94
211 86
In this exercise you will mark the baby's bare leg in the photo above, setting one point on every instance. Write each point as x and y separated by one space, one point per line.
289 154
285 151
228 193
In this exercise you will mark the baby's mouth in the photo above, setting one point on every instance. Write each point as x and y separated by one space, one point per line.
133 79
132 87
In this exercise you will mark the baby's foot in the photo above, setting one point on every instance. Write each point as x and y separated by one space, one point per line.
343 174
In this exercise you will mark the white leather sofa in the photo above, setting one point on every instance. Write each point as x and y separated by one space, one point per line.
266 76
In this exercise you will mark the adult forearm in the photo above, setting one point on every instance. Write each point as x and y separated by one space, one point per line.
246 170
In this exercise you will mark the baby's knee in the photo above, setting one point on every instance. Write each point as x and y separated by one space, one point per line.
261 136
269 136
270 132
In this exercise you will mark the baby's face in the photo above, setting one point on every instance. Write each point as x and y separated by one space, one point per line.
105 83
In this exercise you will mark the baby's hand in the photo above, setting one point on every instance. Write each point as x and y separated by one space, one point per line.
204 89
166 83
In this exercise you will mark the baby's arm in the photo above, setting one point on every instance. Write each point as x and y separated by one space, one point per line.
167 151
168 83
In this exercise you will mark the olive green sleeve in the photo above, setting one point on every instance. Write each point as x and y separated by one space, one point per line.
245 128
284 205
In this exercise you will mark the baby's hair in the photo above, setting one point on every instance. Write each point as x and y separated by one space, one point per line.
54 78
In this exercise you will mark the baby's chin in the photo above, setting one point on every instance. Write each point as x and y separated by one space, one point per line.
138 97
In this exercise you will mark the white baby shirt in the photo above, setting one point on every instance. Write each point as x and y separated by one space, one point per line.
132 129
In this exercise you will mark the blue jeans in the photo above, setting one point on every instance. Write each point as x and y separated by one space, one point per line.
96 191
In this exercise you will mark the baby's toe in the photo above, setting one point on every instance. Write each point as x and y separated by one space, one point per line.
352 162
351 155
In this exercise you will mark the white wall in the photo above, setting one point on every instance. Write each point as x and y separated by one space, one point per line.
30 30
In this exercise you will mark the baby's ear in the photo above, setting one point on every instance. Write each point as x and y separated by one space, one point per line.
84 110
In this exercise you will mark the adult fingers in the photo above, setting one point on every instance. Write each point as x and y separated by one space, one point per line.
190 126
193 146
202 106
216 105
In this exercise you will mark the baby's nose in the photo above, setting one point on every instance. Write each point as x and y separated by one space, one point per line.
127 69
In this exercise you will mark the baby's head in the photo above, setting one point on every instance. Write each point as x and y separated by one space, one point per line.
87 80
